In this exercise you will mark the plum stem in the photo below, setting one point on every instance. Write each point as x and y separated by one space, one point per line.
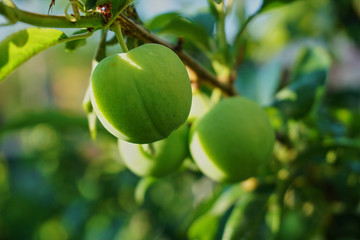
117 30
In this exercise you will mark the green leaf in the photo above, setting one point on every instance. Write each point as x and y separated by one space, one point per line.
101 2
269 4
176 25
294 225
90 4
259 83
308 83
162 20
118 5
227 199
204 228
21 46
142 187
246 218
212 8
74 45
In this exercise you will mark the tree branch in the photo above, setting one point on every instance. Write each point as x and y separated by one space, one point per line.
40 20
130 27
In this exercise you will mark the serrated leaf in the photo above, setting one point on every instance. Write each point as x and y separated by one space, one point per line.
21 46
308 83
74 45
179 26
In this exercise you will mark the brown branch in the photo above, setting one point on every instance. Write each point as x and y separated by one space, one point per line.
131 28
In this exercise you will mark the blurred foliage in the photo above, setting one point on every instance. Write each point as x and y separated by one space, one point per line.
57 183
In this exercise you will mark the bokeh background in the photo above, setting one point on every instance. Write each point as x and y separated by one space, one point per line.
57 183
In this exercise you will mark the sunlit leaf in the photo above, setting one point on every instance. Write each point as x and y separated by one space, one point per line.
204 228
21 46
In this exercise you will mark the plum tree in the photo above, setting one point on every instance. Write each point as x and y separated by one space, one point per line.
232 140
141 96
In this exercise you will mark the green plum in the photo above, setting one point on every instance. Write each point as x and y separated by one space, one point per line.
159 158
231 141
141 96
199 106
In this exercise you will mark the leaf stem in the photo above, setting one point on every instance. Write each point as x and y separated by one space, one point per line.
77 37
116 28
75 8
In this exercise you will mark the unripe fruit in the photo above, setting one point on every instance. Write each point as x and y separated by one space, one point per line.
199 106
159 158
143 95
232 140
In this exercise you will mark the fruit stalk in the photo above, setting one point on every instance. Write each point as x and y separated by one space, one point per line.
117 30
